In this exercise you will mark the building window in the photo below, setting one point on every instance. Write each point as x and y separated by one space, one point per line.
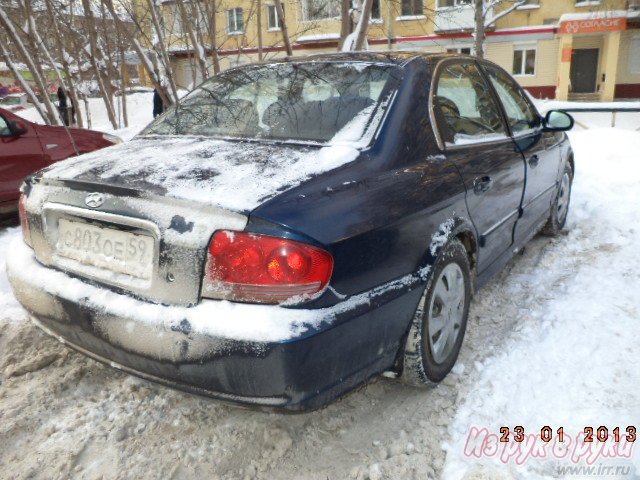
412 8
320 9
452 3
524 61
634 57
235 21
273 19
376 10
460 50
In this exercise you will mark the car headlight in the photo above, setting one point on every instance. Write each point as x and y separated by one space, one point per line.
112 138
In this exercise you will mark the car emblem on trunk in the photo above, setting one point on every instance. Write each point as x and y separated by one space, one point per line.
94 200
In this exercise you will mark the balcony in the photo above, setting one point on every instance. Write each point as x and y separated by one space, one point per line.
455 18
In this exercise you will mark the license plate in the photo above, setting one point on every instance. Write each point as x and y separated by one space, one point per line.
106 248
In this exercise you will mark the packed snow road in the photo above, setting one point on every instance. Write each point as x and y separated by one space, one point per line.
551 341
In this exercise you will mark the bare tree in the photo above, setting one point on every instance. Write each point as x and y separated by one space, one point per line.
25 86
484 18
67 78
356 39
283 28
345 22
52 116
199 52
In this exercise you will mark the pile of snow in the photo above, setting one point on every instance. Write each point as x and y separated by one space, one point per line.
574 363
10 308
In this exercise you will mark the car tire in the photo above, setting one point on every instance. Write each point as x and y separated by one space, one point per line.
443 309
560 208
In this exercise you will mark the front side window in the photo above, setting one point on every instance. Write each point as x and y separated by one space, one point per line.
310 102
412 7
273 19
466 110
235 21
320 9
520 114
524 61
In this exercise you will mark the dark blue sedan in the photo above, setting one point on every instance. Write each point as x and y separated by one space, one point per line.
290 230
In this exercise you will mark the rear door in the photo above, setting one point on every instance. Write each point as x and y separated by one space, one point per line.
20 156
539 148
474 136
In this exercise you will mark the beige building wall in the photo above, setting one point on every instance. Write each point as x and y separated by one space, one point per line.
532 26
629 59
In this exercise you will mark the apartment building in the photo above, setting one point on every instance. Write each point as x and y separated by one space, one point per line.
564 49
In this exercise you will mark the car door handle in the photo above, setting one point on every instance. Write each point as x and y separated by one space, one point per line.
482 185
533 161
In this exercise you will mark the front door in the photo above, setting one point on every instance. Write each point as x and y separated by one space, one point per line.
477 142
540 150
584 70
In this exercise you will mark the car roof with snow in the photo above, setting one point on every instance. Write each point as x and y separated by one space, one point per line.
396 57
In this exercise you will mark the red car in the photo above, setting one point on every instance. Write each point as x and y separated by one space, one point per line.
26 147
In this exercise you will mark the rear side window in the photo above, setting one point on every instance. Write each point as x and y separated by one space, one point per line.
4 127
466 110
520 114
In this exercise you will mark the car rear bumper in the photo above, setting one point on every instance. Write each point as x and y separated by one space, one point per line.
316 358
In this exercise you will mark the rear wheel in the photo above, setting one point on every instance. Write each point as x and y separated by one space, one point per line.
560 208
439 324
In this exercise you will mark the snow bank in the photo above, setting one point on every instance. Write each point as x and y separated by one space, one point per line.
139 108
574 363
10 309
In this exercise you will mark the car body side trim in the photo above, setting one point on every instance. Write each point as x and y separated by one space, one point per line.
501 222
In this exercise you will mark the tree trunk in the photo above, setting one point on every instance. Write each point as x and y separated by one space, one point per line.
95 59
199 53
213 37
345 22
162 45
52 115
259 20
363 24
62 54
152 71
479 30
283 28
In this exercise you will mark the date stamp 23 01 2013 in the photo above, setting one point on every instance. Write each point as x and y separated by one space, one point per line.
517 445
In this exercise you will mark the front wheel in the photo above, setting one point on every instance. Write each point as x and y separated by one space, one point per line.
439 324
560 208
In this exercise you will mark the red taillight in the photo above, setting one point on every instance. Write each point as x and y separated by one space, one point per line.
257 268
24 223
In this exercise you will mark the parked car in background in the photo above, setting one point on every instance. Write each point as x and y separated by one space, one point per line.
26 147
14 102
290 230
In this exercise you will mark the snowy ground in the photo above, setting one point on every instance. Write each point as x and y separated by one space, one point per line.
551 341
139 108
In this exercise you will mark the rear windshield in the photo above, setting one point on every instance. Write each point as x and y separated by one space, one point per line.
314 102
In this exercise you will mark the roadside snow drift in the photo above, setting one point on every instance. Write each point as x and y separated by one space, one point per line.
575 362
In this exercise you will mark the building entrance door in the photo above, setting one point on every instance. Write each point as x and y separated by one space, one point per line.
584 70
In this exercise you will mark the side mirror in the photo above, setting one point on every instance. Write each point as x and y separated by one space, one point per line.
18 129
558 121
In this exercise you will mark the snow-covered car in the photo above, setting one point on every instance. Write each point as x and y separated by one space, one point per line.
290 230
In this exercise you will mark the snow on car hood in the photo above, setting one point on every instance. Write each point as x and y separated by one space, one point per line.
235 175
